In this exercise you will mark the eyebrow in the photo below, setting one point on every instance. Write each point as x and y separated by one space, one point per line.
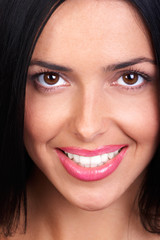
51 66
131 62
108 68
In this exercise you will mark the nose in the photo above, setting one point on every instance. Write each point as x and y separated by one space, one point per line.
89 116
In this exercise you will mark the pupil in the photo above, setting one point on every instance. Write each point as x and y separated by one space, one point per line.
51 78
130 78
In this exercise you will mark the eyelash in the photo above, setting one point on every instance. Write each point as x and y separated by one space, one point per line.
142 74
35 77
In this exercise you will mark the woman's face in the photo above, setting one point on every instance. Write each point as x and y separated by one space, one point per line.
92 92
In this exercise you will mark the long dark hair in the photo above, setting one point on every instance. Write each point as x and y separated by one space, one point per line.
21 23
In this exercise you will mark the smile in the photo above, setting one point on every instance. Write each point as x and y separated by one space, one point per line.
91 165
95 161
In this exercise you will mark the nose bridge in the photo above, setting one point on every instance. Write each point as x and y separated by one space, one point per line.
89 114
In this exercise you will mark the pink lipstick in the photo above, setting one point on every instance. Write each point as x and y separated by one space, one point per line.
92 173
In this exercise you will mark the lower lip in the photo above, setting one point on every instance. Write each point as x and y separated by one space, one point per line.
90 174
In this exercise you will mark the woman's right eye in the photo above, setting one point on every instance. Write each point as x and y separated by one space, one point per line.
50 80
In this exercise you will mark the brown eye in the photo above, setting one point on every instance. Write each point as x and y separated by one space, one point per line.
51 78
130 78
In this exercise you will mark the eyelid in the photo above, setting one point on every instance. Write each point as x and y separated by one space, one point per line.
34 78
136 71
142 74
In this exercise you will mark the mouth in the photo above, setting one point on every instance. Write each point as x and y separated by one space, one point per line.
91 165
94 161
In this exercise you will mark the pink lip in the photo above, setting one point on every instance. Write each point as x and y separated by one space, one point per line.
91 174
91 153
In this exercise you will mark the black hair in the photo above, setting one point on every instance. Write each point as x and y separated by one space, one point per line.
149 196
21 23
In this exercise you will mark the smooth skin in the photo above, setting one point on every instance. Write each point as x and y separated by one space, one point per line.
88 106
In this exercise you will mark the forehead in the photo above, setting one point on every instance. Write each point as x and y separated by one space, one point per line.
94 27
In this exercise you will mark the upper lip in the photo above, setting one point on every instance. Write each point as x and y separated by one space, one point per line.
94 152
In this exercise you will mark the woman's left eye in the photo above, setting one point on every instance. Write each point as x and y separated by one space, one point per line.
130 79
49 80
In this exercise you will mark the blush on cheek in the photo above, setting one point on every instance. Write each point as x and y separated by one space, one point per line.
140 123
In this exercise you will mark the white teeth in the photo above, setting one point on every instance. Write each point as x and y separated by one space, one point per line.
111 155
84 160
92 161
76 158
70 155
104 158
87 165
95 161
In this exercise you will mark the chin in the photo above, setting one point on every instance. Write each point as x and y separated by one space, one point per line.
92 208
91 204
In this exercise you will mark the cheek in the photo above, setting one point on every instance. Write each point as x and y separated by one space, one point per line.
39 123
42 123
44 115
140 119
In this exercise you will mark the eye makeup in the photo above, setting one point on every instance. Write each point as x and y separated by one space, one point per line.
47 81
131 79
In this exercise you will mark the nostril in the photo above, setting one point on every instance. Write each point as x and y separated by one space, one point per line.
88 133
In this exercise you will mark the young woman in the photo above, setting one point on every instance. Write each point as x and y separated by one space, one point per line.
79 103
